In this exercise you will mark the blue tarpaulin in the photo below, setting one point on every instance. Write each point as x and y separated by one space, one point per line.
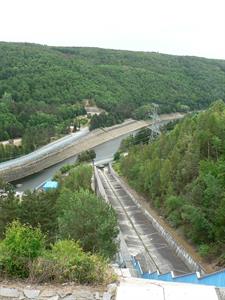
49 185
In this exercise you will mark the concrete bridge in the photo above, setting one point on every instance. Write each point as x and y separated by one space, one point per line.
69 146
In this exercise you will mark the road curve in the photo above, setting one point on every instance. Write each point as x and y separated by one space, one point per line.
45 150
64 148
69 146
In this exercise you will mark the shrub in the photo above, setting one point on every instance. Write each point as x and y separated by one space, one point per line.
66 168
86 156
116 156
85 217
173 203
3 252
116 167
22 244
79 177
44 213
203 250
175 219
66 261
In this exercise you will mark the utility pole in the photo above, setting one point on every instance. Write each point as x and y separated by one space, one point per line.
155 127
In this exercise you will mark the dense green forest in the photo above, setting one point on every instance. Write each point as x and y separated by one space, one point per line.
42 87
121 81
62 240
105 120
36 122
182 174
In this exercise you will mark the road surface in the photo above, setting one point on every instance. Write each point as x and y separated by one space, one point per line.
45 150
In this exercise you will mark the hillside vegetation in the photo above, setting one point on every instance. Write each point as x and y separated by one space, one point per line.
42 88
50 76
182 174
69 236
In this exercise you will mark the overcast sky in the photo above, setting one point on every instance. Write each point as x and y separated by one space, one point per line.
184 27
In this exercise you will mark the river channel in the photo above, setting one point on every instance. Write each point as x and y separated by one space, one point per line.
104 152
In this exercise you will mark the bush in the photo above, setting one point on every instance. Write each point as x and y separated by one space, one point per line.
66 168
42 206
116 167
79 177
203 250
116 156
175 218
66 261
3 252
173 207
22 244
85 217
44 213
86 156
173 203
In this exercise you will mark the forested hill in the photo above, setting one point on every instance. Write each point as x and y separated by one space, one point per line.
119 81
42 88
183 175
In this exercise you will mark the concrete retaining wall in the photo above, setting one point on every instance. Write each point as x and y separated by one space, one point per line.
91 140
179 250
67 291
99 189
123 258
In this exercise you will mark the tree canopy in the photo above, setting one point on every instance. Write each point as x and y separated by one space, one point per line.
182 173
72 211
43 89
48 79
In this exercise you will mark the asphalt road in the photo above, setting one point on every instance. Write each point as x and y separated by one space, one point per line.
45 150
58 145
65 141
104 153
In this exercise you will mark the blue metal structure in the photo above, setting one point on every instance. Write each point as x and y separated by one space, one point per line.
215 279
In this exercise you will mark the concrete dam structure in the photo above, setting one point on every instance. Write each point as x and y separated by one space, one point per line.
67 147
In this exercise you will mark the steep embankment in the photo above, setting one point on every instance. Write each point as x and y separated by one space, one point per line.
182 173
